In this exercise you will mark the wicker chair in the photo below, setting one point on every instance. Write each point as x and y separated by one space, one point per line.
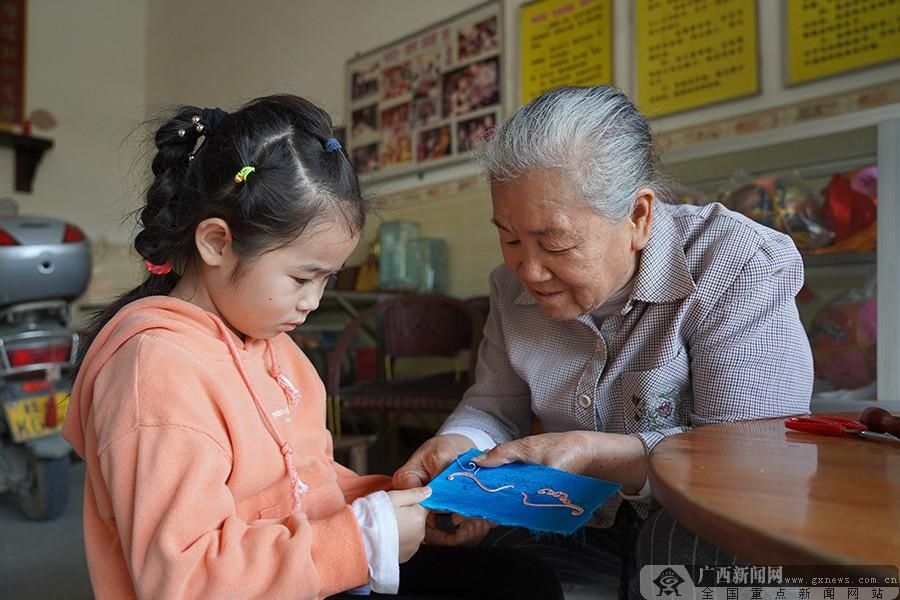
409 326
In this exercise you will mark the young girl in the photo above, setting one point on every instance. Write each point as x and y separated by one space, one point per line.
209 469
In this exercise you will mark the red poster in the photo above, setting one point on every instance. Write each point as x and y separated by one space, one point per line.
12 61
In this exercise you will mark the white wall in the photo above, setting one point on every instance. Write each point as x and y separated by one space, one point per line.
85 65
224 52
772 90
102 66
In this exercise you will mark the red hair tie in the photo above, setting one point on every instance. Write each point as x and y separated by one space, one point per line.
162 269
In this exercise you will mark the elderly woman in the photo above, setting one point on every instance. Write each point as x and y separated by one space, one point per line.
616 321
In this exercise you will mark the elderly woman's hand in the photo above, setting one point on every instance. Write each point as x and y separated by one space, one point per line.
429 460
611 456
467 532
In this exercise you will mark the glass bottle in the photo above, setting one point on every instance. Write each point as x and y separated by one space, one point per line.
394 271
428 263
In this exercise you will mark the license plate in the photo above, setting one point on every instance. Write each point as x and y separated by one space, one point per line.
27 417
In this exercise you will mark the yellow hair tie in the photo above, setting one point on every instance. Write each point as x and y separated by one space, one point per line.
243 173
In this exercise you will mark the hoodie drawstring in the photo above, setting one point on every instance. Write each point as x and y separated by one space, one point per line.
292 395
290 392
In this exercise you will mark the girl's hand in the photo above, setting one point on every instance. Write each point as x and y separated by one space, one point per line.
410 519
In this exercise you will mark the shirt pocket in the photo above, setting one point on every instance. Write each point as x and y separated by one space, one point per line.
658 398
278 511
273 502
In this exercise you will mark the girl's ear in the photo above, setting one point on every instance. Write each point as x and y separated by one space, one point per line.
213 240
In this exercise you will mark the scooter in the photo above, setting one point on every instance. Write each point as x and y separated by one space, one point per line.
44 264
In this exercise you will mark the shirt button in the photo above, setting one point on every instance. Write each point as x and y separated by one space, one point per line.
585 401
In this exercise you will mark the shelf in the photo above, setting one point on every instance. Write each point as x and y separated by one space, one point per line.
838 259
815 150
810 159
321 328
352 302
338 307
29 151
357 297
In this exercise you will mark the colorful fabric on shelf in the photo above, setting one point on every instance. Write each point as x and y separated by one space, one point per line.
536 497
851 203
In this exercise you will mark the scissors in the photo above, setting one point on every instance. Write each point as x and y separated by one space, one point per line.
836 426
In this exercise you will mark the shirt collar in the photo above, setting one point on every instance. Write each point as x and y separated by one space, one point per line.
662 274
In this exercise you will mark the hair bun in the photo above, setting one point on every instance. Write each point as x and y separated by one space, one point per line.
211 117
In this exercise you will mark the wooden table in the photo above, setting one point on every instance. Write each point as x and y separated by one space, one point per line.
770 495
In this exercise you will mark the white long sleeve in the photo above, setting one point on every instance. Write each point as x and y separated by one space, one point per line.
480 439
381 539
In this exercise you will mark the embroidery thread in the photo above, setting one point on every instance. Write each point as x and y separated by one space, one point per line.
470 473
561 496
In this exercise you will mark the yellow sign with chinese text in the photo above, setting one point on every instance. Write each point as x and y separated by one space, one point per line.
564 42
826 37
691 54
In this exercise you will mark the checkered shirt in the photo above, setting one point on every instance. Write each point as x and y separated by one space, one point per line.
710 333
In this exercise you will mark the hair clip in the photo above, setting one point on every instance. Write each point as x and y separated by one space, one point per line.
243 174
332 144
162 269
181 132
198 126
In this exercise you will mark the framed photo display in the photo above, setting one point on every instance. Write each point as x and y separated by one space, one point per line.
426 100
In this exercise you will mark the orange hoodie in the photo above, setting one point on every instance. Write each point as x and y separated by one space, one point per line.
209 475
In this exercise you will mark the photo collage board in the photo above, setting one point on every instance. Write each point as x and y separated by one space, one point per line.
428 99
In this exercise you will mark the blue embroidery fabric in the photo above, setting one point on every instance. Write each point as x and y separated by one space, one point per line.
565 501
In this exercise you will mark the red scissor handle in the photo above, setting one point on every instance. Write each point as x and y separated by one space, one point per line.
824 425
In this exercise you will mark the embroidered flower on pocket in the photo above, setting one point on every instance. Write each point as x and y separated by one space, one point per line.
653 402
665 408
656 413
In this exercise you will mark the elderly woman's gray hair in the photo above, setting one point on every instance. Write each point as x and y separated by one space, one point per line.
595 134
